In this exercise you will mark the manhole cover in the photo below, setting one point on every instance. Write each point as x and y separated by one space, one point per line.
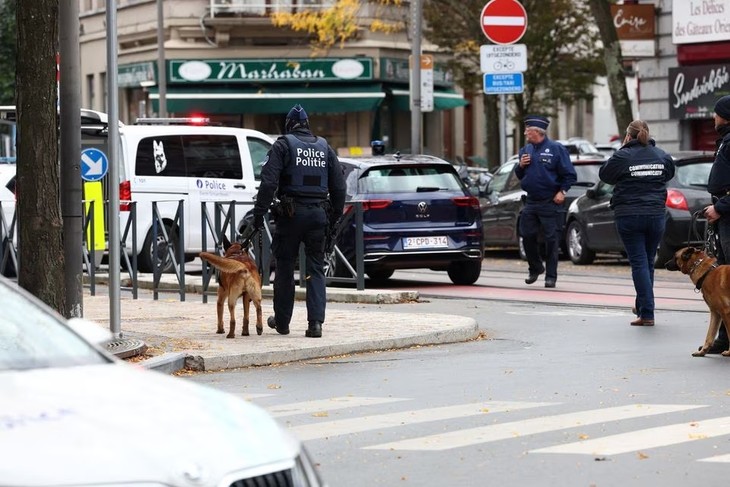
126 347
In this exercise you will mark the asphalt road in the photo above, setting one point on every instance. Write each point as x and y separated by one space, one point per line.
558 393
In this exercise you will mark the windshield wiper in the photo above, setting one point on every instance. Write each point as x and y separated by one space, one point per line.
424 189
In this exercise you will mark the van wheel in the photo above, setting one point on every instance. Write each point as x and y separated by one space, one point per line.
465 273
148 262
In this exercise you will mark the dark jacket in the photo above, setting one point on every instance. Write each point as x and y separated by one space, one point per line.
273 168
549 171
640 174
718 184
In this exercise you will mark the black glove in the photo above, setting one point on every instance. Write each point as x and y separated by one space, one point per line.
258 222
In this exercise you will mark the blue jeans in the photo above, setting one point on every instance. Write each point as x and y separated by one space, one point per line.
641 235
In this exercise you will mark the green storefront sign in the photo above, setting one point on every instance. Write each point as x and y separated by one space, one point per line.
269 70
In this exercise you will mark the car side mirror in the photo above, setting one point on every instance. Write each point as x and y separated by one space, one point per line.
591 193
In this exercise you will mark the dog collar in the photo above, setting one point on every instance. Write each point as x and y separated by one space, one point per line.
698 284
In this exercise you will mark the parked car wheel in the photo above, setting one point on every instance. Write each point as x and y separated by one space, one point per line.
578 251
663 254
465 273
147 261
380 274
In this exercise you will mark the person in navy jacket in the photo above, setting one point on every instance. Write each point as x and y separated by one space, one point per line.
546 174
718 185
640 171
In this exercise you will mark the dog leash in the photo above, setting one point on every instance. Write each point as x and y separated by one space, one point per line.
709 238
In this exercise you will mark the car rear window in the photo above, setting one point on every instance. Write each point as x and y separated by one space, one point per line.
693 174
198 156
587 174
408 179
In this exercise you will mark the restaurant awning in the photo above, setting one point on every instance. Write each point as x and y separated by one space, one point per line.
338 98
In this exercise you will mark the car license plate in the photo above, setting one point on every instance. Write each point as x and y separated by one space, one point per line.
424 242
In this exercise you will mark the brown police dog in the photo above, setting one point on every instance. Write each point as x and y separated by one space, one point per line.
239 277
714 282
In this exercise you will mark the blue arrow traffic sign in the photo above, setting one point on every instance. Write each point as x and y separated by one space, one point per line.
94 164
503 83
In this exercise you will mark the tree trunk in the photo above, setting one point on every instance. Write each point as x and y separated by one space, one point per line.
601 10
40 224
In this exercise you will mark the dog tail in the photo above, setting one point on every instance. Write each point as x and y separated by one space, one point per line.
223 264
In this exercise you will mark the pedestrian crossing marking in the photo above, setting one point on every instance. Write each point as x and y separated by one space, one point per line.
503 431
368 423
645 439
718 459
324 405
246 396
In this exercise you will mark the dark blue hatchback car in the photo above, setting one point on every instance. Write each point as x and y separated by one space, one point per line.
417 213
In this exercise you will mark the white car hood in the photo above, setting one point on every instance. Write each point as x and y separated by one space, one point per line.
118 423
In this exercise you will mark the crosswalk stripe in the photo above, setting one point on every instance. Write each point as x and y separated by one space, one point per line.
502 431
390 420
645 439
324 405
718 458
247 396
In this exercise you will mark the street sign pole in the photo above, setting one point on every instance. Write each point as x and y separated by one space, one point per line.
503 22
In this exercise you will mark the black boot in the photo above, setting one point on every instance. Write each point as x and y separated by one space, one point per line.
314 330
271 321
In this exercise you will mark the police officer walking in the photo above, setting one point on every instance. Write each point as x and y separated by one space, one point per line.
546 174
718 213
311 186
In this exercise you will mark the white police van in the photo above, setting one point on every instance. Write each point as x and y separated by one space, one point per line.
179 163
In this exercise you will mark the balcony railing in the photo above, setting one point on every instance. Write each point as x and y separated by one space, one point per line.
226 8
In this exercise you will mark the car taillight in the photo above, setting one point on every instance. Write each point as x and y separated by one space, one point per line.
472 201
676 200
125 196
375 204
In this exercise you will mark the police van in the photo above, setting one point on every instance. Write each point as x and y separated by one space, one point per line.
178 163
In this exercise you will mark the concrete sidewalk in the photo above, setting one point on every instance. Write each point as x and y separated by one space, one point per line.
183 334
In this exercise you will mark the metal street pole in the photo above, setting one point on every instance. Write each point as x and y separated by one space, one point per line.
416 15
502 128
70 149
113 118
161 73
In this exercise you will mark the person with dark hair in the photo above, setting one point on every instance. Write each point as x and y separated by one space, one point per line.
640 171
305 171
718 213
546 174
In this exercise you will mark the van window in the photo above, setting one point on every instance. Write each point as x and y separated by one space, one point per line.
258 149
195 155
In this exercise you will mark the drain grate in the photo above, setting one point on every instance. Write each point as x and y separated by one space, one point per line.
126 347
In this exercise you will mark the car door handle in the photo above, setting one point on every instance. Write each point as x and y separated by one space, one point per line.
241 186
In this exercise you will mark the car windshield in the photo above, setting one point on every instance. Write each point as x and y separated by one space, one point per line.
32 337
694 174
408 179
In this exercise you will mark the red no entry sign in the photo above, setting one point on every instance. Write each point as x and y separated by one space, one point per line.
503 21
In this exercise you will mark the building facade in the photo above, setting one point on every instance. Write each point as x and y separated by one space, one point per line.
678 87
225 60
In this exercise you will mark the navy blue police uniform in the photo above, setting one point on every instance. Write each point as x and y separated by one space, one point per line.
304 168
550 171
718 185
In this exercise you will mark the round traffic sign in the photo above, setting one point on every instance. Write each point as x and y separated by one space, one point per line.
94 164
503 21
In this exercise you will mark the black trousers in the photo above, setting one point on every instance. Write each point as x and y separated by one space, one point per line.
306 226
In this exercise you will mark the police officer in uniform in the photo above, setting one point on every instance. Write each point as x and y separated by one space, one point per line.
310 183
546 174
719 212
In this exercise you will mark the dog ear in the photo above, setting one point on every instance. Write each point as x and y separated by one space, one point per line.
226 242
688 252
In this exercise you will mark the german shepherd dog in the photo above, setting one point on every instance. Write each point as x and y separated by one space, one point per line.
239 277
714 282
